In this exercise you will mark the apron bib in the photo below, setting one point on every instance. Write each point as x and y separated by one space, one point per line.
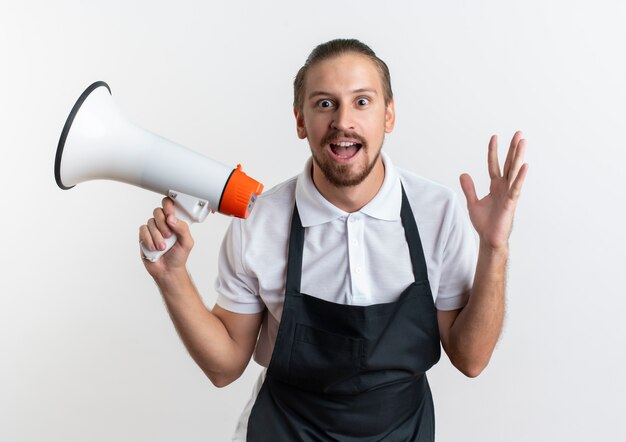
350 373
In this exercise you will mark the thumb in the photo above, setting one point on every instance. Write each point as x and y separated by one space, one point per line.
467 184
181 229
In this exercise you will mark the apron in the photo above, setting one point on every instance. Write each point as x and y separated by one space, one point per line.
350 373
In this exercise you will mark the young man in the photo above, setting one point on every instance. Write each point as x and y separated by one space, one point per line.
345 279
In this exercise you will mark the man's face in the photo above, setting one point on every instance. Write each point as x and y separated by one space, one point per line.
344 118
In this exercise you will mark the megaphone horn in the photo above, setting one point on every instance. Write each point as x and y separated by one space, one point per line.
97 142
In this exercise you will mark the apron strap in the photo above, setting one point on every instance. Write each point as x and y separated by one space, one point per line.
420 270
294 260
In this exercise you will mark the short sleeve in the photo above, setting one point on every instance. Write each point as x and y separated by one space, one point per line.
237 291
458 261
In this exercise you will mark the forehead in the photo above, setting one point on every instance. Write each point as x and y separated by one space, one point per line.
342 74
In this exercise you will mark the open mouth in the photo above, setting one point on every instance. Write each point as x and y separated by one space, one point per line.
345 149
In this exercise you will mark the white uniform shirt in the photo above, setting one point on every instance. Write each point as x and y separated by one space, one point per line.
359 258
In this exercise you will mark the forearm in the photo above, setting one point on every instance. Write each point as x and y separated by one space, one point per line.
476 330
204 335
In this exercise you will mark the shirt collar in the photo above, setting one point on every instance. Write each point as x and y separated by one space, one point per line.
314 209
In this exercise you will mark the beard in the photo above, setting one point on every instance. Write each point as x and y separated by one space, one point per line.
339 174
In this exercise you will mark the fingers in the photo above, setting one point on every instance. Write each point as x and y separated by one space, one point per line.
153 233
181 229
518 160
168 206
145 238
492 158
511 153
159 217
467 184
516 187
151 237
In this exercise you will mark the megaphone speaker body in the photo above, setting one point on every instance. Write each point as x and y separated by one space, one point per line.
97 142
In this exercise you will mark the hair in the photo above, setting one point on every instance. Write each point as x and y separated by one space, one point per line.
335 48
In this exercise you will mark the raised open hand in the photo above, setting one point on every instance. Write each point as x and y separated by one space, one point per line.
492 216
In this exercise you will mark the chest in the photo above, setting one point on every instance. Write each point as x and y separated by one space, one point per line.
353 260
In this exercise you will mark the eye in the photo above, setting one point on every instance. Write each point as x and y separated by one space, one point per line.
324 103
363 101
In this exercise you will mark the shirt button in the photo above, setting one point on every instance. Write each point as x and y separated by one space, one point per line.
355 242
357 270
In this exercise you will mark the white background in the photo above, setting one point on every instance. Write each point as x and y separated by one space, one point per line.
87 351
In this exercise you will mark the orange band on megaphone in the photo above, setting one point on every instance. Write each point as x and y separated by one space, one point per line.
239 194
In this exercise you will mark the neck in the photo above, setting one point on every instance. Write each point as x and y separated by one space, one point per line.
350 198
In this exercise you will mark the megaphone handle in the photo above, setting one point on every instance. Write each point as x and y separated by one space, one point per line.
169 242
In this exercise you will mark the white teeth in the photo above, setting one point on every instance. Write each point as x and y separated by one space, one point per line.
345 143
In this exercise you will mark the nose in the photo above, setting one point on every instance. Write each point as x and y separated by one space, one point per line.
343 119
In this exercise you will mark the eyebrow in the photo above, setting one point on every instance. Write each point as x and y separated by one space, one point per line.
356 91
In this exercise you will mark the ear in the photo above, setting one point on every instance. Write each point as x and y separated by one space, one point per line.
299 123
390 116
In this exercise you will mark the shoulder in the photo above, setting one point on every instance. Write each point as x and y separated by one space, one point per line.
424 193
259 242
272 211
279 195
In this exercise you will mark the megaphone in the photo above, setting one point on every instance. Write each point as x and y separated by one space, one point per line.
97 142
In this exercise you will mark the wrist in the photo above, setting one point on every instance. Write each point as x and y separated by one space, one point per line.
172 279
494 252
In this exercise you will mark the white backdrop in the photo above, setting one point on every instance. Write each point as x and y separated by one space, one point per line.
87 351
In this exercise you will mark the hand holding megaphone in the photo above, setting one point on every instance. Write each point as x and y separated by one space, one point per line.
157 233
97 142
